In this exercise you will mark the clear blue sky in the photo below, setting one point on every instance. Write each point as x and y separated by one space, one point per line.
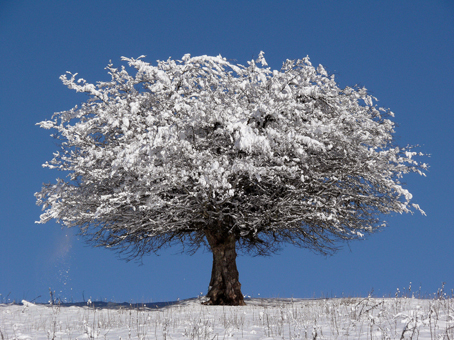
402 51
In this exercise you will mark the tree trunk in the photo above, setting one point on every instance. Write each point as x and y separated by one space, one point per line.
225 289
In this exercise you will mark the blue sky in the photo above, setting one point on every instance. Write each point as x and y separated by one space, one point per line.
401 51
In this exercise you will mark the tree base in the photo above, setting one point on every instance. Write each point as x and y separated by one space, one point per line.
209 303
222 300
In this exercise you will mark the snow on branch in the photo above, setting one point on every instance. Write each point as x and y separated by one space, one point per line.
197 144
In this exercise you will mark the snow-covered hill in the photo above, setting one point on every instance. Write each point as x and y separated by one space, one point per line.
335 318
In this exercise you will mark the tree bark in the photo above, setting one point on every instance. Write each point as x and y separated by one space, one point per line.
225 288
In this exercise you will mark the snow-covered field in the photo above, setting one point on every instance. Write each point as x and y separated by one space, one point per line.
334 318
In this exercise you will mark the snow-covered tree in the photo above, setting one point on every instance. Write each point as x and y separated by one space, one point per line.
203 152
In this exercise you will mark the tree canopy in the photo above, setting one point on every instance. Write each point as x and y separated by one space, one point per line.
192 148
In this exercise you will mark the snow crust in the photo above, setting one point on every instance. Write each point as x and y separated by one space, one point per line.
344 318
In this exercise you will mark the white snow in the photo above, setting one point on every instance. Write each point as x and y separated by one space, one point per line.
335 318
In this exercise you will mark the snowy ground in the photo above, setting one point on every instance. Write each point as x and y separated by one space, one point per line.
335 318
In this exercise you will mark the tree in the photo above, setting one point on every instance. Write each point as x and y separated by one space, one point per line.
206 153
